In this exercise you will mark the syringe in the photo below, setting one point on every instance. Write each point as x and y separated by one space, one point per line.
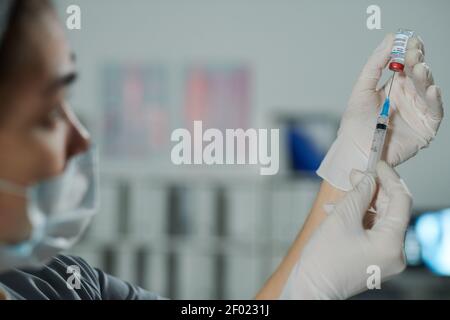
397 64
380 133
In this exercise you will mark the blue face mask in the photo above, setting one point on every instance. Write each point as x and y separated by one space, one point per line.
59 210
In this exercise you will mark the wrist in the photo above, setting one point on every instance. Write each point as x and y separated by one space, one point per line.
343 156
301 287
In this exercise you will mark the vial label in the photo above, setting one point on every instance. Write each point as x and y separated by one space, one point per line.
400 43
399 49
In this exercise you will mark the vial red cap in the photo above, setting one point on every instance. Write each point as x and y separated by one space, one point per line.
397 67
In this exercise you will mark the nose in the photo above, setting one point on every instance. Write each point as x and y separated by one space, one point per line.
79 138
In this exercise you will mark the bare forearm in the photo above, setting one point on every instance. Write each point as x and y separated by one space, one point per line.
274 286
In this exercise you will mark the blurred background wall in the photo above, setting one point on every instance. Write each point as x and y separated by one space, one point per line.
219 232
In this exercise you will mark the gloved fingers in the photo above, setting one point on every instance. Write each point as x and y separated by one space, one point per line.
415 42
435 111
413 56
356 202
370 217
372 71
422 78
398 212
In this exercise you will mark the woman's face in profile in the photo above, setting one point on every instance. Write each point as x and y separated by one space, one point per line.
39 132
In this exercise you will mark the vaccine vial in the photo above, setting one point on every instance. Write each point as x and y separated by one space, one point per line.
398 52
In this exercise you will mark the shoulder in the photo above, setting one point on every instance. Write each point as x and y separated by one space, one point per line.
54 281
66 261
73 264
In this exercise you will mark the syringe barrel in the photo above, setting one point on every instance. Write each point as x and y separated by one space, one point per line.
376 150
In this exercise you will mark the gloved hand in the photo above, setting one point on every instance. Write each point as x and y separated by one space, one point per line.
416 112
334 262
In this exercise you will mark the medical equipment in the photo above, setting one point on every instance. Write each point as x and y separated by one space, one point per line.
397 64
379 135
398 52
343 258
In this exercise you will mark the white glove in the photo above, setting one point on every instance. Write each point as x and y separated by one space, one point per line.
416 112
334 263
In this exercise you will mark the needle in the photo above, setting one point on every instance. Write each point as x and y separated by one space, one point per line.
390 87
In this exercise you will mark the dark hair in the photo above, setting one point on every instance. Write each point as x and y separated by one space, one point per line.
15 51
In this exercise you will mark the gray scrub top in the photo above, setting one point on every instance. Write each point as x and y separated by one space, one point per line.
50 283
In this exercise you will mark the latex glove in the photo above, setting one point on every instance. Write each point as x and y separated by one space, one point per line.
416 112
334 262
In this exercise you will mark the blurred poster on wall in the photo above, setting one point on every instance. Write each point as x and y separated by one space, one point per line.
218 95
136 110
307 137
